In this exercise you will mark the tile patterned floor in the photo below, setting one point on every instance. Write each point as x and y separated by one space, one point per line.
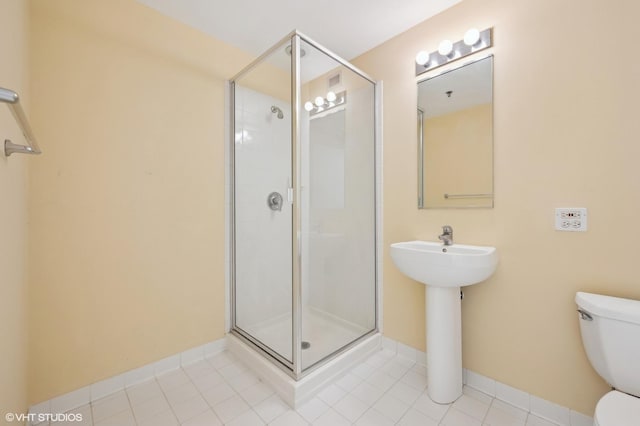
384 390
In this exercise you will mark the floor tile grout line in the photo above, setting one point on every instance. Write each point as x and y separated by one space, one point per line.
164 392
206 360
166 397
386 392
133 415
224 379
126 394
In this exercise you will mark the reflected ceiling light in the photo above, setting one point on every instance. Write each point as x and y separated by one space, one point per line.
320 104
474 41
471 37
445 47
422 58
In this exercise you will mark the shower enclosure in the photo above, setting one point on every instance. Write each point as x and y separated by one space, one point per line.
303 213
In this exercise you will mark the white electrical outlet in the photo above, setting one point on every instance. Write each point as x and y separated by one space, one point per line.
572 219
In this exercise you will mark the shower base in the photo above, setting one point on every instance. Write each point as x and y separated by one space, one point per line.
325 335
296 393
324 332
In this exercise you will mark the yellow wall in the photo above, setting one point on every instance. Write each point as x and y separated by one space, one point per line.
126 205
566 134
458 157
13 215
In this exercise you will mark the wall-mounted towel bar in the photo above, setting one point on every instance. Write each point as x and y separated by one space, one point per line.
13 102
452 196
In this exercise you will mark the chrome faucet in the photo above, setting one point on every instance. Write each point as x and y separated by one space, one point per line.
447 235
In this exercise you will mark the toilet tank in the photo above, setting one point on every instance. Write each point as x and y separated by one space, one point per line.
611 338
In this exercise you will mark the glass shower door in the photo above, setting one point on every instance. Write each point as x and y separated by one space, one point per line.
303 205
262 218
338 219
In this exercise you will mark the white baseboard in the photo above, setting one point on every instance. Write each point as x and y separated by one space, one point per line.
547 410
69 401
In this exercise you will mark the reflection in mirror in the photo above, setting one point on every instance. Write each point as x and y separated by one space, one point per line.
455 138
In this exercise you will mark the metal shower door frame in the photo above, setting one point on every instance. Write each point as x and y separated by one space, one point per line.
294 367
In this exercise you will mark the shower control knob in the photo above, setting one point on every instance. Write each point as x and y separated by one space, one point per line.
274 201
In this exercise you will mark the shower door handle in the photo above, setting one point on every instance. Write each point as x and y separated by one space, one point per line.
274 201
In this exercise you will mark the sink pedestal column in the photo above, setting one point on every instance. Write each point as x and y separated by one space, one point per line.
444 343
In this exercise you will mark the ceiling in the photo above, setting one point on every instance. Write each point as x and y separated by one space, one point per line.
346 27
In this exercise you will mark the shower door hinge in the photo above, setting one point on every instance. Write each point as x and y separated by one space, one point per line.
290 195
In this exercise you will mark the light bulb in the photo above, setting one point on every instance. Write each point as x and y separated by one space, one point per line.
471 37
422 58
319 101
308 106
445 47
331 96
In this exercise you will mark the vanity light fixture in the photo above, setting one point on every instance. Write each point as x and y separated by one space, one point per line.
445 47
422 58
321 104
473 42
471 37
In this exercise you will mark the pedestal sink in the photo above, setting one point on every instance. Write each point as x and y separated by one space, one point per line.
444 269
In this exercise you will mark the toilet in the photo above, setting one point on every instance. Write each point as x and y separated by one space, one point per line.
610 328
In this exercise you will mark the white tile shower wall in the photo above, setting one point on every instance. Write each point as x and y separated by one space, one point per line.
109 386
262 165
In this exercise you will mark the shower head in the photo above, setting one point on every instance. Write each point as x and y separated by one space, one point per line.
275 109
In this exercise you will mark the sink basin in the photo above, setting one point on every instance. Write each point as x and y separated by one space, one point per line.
438 265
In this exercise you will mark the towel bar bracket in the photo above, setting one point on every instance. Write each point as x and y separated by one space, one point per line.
12 148
12 100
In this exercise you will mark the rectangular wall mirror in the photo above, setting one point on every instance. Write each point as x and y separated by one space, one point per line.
455 138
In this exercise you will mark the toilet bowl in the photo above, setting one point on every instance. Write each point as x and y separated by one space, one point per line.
617 408
610 329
